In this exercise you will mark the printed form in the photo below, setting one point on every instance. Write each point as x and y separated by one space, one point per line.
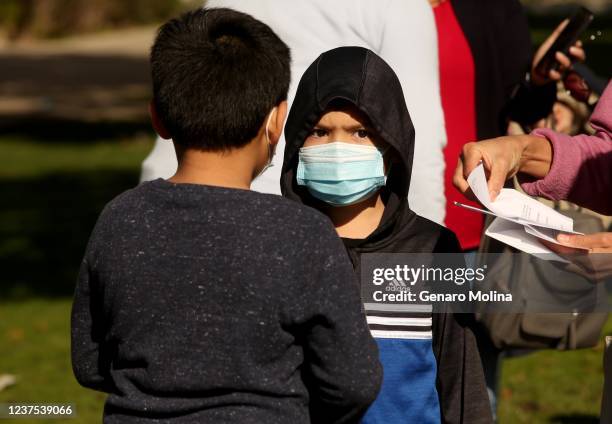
520 220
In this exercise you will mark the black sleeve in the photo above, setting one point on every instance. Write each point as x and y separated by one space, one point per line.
527 103
341 366
460 381
447 242
530 103
90 359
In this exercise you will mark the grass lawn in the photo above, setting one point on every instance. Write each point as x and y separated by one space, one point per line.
553 387
34 345
52 193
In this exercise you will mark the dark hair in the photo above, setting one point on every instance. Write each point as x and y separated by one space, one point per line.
216 75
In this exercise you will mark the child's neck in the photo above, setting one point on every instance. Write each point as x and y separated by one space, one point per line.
223 169
360 220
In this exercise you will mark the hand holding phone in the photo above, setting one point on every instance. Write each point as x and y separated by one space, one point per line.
568 33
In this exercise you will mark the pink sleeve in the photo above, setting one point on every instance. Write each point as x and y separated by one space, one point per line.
581 169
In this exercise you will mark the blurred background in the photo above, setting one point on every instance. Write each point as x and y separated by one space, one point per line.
74 90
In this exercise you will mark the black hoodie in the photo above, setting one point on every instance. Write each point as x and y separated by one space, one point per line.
358 76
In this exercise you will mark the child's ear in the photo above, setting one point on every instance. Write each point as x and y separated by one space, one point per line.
158 125
277 121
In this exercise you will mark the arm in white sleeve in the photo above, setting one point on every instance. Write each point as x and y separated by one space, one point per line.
410 45
161 162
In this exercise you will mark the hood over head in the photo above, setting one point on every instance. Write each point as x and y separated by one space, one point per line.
360 77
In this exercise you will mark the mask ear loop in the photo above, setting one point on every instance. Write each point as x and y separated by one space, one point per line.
271 150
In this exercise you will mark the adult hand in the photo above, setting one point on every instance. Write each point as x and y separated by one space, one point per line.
590 255
576 53
503 158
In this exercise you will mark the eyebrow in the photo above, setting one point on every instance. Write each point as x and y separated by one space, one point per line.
347 128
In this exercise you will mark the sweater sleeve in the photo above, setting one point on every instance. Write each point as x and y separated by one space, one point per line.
580 169
341 367
90 357
409 44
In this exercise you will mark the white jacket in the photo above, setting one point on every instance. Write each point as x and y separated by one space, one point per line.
400 31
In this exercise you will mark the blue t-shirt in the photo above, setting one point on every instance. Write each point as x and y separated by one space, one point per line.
408 393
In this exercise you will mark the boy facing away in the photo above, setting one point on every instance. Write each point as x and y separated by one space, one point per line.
349 151
199 300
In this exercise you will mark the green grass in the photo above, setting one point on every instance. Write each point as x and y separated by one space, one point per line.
26 158
34 346
553 387
52 193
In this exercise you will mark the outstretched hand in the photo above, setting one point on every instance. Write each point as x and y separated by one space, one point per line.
503 158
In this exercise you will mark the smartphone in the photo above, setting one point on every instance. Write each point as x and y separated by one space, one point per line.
578 23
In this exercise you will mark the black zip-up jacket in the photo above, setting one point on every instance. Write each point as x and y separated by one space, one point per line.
358 76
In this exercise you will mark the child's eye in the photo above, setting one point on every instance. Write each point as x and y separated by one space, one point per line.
318 132
362 134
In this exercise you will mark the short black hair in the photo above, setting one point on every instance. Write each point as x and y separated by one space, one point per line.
216 74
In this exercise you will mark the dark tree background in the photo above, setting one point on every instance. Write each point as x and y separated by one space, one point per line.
56 18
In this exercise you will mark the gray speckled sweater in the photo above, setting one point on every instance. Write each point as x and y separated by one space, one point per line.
201 304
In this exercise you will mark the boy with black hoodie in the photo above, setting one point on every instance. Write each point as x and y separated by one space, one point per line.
349 151
195 302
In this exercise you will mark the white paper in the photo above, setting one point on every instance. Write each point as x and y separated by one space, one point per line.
478 183
519 207
514 235
521 220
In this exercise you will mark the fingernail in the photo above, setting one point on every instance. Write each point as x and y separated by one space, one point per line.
564 238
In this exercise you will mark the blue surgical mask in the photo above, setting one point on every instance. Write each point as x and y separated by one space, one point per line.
341 174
